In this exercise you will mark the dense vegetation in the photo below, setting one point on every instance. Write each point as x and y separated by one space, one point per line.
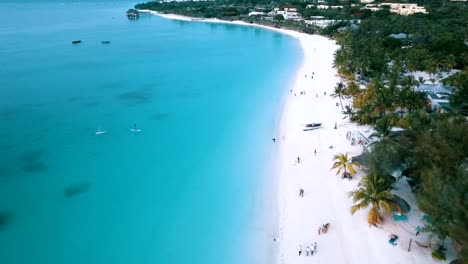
432 150
435 41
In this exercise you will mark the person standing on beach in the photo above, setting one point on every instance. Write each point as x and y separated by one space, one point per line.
300 250
315 151
298 160
315 247
418 230
307 251
319 229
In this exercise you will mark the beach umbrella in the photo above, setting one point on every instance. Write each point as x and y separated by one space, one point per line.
404 206
362 159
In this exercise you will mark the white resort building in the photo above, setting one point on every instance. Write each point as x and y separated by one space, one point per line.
289 13
397 8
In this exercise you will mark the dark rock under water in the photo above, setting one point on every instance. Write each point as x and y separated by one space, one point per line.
76 189
5 219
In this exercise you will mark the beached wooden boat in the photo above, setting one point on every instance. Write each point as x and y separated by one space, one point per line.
76 41
311 128
313 125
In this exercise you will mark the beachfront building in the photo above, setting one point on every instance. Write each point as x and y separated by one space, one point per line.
289 13
322 23
373 7
405 9
329 7
256 13
397 8
438 103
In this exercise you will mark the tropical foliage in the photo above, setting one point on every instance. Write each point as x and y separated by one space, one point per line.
344 162
372 191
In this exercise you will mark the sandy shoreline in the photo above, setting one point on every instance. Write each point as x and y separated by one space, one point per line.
349 239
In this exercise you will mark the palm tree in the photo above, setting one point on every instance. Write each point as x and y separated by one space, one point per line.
372 191
383 132
353 89
349 112
339 92
345 163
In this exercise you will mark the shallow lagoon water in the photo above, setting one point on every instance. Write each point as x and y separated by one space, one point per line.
188 188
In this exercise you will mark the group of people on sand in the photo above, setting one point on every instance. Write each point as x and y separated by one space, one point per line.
323 229
309 249
311 76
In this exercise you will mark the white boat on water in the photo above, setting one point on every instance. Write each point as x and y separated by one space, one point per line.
100 132
135 129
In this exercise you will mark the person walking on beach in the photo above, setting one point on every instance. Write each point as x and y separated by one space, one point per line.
315 247
307 251
319 230
298 160
315 152
418 230
300 250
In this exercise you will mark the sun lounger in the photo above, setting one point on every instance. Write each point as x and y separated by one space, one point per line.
427 245
399 217
393 240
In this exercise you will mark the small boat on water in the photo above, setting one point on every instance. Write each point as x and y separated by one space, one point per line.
76 41
105 42
135 129
100 132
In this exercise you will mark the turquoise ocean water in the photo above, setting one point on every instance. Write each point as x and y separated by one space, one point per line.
191 187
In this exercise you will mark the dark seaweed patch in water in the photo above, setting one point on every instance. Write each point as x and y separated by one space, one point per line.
76 189
31 161
140 96
5 219
31 156
34 167
159 116
7 114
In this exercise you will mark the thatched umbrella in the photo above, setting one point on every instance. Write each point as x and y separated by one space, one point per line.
361 159
404 206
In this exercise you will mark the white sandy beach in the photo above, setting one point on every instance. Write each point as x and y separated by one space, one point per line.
349 238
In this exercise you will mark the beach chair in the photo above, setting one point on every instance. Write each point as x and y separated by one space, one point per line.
399 217
426 245
393 240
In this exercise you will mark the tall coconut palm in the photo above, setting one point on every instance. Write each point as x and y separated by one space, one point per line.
345 163
349 112
383 132
339 92
372 191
